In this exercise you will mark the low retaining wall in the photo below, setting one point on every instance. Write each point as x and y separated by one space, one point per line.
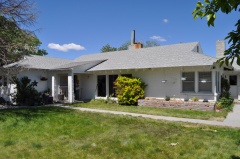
177 104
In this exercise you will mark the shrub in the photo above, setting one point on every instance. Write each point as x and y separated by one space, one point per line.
26 93
224 103
195 99
225 87
129 90
167 98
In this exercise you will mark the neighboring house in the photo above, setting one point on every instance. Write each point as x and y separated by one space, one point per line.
181 71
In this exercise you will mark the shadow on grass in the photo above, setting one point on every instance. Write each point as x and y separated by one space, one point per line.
235 157
28 114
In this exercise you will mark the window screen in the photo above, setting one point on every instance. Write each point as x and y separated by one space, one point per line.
112 79
101 81
188 79
205 82
233 80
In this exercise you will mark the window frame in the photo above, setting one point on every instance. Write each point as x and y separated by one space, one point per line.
231 80
111 88
205 80
103 91
188 81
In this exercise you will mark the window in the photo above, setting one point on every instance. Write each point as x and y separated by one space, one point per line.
3 81
188 79
112 79
233 80
101 85
205 82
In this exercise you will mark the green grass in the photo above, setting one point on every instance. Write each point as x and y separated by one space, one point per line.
220 116
51 132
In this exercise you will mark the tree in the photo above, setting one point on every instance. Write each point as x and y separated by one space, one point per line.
16 41
26 93
209 9
108 48
124 46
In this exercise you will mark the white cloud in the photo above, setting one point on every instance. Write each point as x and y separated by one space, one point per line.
158 38
65 47
165 20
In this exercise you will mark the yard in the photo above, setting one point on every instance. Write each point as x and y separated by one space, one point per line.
194 114
51 132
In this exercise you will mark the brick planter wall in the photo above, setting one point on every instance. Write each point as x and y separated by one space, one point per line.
177 104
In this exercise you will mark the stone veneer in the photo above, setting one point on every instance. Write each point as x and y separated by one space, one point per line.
177 104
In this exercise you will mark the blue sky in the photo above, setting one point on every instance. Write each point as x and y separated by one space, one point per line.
69 29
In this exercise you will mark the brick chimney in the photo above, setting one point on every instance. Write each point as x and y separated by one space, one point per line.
220 48
134 45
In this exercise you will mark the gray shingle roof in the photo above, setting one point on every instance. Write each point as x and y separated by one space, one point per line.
154 57
40 62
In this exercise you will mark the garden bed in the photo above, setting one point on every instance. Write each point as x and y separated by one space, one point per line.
177 104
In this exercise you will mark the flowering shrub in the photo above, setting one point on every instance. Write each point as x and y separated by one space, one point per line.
129 90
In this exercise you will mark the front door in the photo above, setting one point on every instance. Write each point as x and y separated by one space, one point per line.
233 86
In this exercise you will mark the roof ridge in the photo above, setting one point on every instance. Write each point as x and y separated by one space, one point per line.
134 50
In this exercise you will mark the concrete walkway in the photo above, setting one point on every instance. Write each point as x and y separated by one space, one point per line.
232 120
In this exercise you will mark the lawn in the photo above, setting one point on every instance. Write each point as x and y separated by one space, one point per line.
219 116
50 132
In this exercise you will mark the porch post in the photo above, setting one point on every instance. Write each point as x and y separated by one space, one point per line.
196 81
107 86
214 86
70 87
238 86
54 86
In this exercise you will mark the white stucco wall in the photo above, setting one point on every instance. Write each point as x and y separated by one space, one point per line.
234 90
35 75
173 85
87 84
5 91
152 77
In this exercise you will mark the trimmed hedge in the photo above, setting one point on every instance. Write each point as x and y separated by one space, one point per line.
129 90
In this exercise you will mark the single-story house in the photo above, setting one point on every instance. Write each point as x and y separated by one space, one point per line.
180 70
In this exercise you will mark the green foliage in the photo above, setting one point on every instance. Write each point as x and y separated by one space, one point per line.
54 132
108 48
167 98
209 9
225 87
26 93
195 99
109 100
225 103
16 42
124 46
194 114
129 90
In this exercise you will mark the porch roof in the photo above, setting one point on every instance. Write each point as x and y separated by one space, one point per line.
39 62
71 65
